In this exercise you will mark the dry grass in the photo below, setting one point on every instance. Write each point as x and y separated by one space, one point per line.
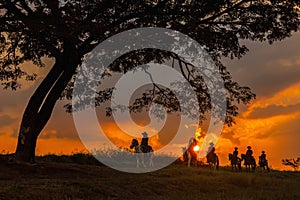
66 180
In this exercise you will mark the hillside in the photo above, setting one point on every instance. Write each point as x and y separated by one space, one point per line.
53 180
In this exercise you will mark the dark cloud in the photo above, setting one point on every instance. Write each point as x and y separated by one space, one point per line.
15 133
60 125
231 136
6 120
264 135
262 68
274 110
287 134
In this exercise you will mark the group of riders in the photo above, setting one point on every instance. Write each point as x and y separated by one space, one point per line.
212 158
235 160
249 160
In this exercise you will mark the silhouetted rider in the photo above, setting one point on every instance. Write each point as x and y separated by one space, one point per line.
144 142
263 156
263 162
211 148
211 153
249 152
235 152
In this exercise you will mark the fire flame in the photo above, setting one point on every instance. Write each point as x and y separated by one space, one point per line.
196 148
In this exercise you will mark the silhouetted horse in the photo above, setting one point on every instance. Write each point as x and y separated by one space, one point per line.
189 156
263 163
249 162
141 151
236 162
212 160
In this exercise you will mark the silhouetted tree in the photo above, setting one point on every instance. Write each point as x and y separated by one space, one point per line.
294 163
67 30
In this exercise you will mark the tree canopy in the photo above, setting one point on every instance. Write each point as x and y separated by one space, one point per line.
67 30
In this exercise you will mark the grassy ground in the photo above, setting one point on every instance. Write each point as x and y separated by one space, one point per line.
50 179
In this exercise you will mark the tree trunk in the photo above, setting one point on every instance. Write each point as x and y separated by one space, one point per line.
42 102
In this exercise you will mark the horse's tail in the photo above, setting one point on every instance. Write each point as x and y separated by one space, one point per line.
217 162
150 149
253 162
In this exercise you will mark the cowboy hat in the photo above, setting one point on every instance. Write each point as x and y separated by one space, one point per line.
145 134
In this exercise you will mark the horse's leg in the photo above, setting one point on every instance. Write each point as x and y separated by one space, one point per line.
151 160
236 167
137 161
240 167
189 159
267 166
143 159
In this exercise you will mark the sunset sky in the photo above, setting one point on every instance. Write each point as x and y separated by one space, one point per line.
270 123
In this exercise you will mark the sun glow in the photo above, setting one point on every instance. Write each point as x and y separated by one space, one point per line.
196 148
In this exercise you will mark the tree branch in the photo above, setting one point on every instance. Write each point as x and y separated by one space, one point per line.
213 17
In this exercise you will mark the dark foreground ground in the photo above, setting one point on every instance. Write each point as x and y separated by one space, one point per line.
56 180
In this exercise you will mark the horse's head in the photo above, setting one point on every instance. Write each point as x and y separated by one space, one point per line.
134 143
243 156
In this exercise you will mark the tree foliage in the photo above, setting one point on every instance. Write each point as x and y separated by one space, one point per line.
292 162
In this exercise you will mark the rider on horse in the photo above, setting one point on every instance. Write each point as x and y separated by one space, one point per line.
263 156
249 159
211 152
235 160
211 157
263 162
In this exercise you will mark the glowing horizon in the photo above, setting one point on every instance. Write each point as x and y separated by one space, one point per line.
269 123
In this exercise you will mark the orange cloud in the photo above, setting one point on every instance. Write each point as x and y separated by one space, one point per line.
268 124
